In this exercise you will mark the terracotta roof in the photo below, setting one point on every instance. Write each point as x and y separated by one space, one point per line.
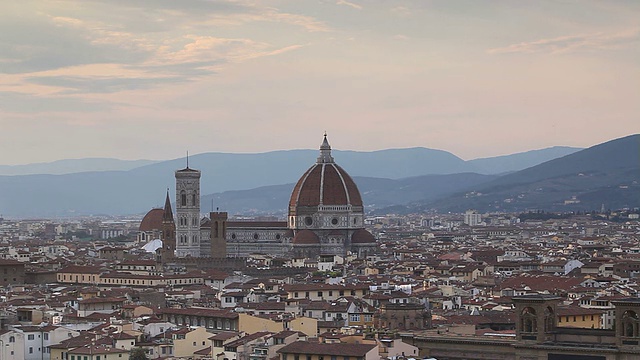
362 236
152 221
306 237
201 312
328 180
339 349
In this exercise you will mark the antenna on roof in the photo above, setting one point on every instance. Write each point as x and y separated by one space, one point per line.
187 159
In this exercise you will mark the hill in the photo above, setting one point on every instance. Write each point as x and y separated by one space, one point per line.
143 187
139 189
70 166
520 161
376 192
607 173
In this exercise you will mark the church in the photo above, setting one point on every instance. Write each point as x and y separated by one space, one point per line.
325 217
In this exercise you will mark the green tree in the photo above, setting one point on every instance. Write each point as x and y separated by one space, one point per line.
138 354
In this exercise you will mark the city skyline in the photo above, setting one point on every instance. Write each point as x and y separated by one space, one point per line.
152 79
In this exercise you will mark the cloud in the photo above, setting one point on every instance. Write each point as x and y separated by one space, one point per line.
103 85
15 102
401 11
563 44
350 4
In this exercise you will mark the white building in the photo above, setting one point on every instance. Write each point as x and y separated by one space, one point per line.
472 218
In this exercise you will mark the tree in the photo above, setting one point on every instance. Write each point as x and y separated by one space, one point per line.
138 354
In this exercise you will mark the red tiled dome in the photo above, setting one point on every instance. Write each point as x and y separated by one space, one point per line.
306 237
152 221
326 184
362 236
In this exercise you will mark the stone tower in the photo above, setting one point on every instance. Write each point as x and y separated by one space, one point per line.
218 234
168 232
187 212
536 317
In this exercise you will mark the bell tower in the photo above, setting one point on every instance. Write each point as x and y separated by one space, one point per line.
218 234
536 317
187 212
168 232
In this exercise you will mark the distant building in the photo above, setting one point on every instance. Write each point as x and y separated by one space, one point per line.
472 218
11 272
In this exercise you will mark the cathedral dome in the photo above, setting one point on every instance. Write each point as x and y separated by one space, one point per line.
153 220
362 236
306 237
325 183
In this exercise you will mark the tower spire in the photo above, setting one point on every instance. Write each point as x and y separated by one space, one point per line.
325 151
187 159
167 214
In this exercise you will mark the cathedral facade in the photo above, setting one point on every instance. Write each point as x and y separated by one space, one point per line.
325 217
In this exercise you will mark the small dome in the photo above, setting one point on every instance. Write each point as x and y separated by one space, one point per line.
362 236
152 221
306 237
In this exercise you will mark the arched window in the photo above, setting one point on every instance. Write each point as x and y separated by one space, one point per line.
528 322
193 200
12 339
549 319
215 228
630 324
183 198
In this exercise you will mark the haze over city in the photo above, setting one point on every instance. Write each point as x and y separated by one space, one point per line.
151 79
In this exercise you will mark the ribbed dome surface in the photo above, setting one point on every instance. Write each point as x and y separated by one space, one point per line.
362 236
152 221
306 237
325 184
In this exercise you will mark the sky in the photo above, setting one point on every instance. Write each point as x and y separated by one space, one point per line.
151 79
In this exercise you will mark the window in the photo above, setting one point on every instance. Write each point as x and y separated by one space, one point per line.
183 198
46 336
12 339
73 357
31 337
30 350
354 317
319 293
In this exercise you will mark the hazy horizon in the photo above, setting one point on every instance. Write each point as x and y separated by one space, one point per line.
279 150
